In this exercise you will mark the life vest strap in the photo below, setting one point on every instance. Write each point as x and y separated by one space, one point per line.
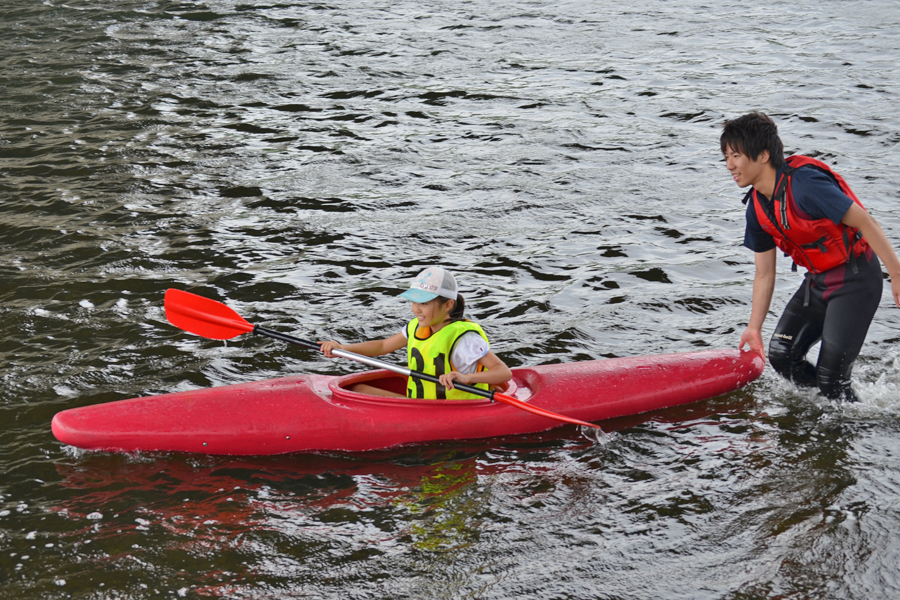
820 243
851 254
780 195
807 286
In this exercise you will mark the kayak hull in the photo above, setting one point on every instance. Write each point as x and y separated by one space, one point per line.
308 413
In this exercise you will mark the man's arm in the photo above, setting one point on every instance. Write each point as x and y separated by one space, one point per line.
763 288
858 218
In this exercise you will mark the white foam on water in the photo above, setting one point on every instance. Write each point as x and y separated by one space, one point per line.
595 434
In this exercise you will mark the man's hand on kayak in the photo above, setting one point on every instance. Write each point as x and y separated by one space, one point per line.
753 338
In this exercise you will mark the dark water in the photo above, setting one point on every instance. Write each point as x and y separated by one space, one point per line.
302 160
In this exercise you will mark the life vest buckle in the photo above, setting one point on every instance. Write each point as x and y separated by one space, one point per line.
819 243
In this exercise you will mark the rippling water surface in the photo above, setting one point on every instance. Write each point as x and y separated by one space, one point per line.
302 160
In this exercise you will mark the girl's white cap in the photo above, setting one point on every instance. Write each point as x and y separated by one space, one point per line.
431 283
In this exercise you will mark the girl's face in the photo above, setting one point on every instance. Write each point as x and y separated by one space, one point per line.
434 312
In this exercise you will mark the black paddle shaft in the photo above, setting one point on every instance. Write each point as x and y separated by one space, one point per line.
285 338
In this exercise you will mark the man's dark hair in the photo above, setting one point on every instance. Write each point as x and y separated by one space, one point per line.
751 134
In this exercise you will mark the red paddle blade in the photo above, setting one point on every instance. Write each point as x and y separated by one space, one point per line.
203 316
540 411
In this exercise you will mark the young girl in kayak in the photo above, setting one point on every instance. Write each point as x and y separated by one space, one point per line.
439 342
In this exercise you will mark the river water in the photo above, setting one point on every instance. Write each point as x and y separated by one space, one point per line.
302 160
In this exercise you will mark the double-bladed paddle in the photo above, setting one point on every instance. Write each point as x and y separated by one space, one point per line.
211 319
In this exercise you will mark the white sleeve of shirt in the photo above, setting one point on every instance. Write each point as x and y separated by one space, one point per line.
469 349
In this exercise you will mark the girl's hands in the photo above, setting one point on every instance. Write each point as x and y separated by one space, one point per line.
327 347
447 379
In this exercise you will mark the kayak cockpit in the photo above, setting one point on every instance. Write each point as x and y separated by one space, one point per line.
392 382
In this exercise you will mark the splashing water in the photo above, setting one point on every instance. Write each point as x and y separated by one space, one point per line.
595 434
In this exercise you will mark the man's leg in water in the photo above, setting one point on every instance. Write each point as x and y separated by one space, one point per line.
848 316
798 329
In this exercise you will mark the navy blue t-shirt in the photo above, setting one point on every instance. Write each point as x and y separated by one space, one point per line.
816 196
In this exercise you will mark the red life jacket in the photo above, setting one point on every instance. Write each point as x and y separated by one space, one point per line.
818 244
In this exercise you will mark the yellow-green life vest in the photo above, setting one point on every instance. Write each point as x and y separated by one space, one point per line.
430 354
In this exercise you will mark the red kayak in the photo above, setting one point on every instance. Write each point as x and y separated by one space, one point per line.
308 413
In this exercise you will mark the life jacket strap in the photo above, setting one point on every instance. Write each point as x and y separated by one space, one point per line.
780 195
851 253
820 243
807 286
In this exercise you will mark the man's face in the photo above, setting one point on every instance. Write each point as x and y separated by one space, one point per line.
744 170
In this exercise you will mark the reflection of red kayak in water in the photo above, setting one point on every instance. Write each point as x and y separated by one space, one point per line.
317 412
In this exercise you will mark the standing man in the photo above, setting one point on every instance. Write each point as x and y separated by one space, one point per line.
801 206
